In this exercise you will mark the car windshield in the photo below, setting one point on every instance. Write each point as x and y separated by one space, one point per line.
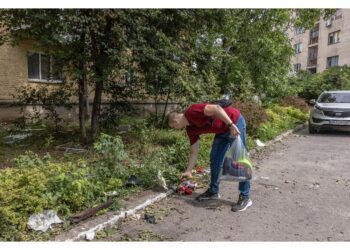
334 98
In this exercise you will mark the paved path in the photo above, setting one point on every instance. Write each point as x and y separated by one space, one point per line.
306 197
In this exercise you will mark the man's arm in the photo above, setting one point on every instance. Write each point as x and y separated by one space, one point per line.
219 112
192 159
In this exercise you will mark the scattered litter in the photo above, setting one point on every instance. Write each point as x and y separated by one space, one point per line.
70 147
11 139
268 185
265 178
111 193
161 180
132 181
42 222
259 143
287 181
177 210
150 219
186 187
315 185
90 236
136 216
199 170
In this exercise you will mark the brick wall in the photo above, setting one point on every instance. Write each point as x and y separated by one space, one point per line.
13 69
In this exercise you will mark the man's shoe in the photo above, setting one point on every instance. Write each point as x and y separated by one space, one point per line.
208 195
242 204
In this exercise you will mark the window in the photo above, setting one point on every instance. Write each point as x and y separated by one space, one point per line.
297 67
312 70
314 35
298 48
332 61
333 37
44 68
299 30
338 14
312 56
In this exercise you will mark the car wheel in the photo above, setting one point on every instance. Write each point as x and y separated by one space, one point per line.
312 129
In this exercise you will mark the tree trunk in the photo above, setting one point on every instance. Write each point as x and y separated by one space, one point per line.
166 105
96 110
101 76
83 95
82 107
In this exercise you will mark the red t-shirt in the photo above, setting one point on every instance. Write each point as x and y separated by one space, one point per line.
202 124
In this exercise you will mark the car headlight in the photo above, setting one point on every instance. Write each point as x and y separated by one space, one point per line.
317 110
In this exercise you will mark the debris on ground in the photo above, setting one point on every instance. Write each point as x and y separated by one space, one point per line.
259 143
90 236
186 187
91 211
314 185
265 178
199 170
70 147
42 222
11 139
150 219
268 185
132 181
161 180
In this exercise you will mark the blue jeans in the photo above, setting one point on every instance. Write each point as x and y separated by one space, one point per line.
221 143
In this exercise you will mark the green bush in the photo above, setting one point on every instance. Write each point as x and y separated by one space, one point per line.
37 184
296 102
279 120
311 86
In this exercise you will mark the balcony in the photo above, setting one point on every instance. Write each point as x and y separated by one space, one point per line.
313 40
312 62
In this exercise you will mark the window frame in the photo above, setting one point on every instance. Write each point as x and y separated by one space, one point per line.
40 80
296 67
299 30
333 34
329 59
298 48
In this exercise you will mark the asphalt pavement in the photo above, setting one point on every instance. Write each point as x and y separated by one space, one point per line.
300 192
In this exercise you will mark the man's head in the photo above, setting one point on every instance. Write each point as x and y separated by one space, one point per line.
175 120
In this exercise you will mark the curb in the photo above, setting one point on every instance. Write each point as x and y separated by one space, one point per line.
279 138
89 234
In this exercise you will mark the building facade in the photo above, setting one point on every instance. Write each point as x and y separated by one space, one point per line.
24 65
324 46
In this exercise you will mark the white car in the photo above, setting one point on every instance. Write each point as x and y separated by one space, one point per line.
330 111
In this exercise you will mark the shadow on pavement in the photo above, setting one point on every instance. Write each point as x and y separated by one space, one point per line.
209 204
324 133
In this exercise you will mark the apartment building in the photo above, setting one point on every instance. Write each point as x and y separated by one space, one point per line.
326 45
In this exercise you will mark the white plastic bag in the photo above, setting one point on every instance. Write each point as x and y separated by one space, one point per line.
42 222
237 166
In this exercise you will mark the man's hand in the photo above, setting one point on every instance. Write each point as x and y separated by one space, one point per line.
234 130
187 174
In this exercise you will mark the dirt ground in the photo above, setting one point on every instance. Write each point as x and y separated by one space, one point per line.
300 192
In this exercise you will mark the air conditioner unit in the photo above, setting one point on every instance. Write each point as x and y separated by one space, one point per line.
328 23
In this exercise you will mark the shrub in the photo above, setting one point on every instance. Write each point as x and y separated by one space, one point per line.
311 86
253 114
279 120
296 102
37 184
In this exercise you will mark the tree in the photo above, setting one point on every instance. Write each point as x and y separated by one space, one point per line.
179 54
